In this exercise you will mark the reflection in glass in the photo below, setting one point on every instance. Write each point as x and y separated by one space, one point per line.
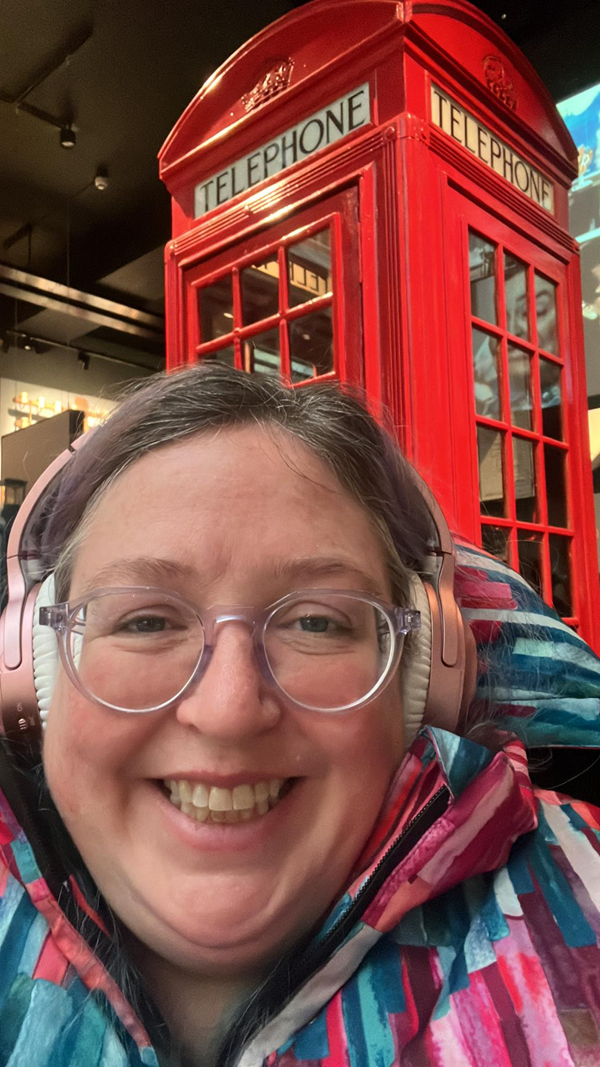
222 355
550 393
486 350
311 345
495 540
482 268
515 295
260 290
561 574
309 269
491 472
530 560
216 309
524 468
261 353
556 490
545 309
520 387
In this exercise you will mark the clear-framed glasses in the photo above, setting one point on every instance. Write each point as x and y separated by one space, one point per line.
140 649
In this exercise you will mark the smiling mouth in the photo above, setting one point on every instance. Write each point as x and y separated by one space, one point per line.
243 803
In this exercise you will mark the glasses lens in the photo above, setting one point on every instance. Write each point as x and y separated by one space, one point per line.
329 651
135 651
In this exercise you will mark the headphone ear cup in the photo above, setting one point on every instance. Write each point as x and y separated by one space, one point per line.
416 668
45 650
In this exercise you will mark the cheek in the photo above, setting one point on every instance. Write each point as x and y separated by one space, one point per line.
85 753
367 751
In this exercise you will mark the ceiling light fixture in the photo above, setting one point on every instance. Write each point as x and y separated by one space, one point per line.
27 344
84 359
68 137
101 179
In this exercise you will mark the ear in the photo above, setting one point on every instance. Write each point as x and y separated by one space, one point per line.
416 669
45 650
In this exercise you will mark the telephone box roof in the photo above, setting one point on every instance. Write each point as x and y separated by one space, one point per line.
323 42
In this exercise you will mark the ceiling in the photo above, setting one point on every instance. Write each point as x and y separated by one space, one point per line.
133 66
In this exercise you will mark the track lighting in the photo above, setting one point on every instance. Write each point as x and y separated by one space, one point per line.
68 137
84 359
28 344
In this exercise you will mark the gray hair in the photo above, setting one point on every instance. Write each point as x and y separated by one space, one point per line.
329 419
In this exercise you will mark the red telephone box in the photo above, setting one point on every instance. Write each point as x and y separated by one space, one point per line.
376 192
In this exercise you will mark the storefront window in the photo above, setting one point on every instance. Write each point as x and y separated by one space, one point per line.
23 404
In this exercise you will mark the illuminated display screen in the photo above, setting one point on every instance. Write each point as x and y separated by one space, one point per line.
581 114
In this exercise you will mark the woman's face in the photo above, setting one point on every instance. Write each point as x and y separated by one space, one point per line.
240 517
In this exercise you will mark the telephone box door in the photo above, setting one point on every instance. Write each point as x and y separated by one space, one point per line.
513 406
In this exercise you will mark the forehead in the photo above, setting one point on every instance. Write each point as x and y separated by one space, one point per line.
228 505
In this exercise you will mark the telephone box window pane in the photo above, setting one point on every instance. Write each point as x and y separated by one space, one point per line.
261 353
482 270
311 345
561 574
260 290
491 471
309 269
556 489
550 389
545 309
524 468
530 560
216 309
495 540
486 350
519 371
223 355
515 295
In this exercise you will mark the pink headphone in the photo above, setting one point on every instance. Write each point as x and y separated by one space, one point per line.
437 681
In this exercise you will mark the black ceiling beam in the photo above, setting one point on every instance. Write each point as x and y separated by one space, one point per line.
102 312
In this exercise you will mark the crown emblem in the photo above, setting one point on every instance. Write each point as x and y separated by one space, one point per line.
276 79
498 81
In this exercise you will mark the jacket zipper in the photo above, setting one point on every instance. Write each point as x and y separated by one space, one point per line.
434 808
291 976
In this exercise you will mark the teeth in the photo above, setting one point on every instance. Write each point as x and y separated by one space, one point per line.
261 790
217 804
243 797
220 799
200 796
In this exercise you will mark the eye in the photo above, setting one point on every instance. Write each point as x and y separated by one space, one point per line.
146 624
314 624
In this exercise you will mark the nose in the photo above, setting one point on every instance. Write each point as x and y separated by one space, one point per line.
230 701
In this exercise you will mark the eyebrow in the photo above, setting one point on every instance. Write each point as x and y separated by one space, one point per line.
310 567
148 570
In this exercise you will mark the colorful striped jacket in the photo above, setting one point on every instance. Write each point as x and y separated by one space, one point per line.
469 937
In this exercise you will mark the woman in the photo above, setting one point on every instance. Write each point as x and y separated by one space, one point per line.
228 842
